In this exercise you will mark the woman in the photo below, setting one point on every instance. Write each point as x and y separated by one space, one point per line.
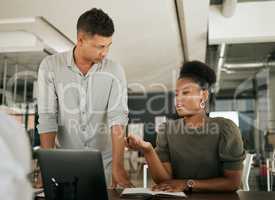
194 152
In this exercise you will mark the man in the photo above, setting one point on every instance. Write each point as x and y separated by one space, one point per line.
15 165
83 96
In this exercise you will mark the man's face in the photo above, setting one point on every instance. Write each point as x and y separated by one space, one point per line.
93 48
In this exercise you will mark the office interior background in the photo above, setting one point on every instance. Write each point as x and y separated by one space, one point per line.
152 40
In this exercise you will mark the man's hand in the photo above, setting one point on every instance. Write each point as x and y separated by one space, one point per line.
120 178
47 141
171 186
38 182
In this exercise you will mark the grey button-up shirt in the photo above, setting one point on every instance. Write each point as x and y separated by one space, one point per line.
81 108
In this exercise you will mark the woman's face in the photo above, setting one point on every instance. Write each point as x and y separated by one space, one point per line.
189 97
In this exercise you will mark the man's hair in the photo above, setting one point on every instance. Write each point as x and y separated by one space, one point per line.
199 72
95 21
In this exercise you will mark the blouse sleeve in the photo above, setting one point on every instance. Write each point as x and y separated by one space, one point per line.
231 150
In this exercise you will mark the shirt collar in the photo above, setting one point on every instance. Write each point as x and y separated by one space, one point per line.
71 63
70 58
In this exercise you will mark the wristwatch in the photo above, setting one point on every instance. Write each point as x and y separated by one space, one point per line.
190 185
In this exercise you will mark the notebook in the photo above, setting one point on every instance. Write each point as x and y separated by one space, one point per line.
144 193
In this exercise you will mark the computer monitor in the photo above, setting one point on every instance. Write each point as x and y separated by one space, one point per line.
72 174
232 115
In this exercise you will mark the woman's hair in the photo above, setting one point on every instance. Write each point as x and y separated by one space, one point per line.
198 72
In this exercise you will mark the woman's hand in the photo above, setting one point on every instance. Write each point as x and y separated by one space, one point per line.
136 143
171 186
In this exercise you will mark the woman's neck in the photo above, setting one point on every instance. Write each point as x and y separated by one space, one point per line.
195 121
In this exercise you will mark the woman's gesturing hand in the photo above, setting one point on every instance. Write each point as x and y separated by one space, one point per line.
136 143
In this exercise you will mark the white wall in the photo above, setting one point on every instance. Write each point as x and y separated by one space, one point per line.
253 22
146 42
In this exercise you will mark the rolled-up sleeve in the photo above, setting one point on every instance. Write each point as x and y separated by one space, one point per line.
231 150
162 148
117 105
47 99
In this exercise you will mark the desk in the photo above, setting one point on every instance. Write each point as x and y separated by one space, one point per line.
241 195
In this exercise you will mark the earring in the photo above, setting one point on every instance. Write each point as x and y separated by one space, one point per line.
202 104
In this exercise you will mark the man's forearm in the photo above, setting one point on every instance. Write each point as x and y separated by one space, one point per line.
118 146
47 140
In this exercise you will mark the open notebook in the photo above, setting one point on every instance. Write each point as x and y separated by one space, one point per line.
136 193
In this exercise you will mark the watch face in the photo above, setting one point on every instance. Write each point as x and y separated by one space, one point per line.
190 183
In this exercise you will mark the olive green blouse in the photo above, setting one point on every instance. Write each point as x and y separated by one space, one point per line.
200 153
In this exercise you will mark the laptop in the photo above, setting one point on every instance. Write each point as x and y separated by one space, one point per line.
72 174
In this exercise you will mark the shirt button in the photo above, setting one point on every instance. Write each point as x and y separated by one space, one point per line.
83 127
